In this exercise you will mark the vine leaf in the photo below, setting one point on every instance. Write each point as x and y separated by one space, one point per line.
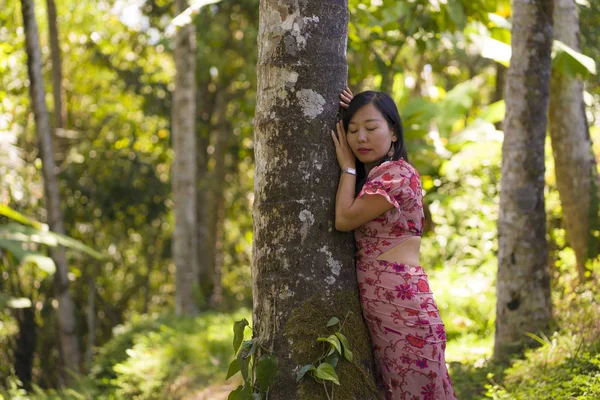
326 372
332 359
335 342
234 368
304 370
234 394
243 362
266 371
238 333
333 321
344 341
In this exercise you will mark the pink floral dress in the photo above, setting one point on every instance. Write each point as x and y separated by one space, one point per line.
407 333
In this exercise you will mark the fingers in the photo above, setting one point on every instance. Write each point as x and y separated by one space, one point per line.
346 97
341 133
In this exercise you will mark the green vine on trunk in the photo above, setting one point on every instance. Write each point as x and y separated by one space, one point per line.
323 369
258 374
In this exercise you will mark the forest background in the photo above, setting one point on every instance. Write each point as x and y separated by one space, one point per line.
443 62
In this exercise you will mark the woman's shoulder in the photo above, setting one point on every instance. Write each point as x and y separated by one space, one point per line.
400 166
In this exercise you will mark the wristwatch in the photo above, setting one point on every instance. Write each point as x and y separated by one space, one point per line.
350 171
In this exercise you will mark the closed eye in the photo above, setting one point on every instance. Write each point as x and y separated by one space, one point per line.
352 131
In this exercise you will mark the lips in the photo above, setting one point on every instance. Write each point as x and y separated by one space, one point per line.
363 151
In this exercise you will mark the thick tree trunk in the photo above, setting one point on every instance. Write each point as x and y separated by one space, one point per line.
571 145
58 90
303 270
68 342
523 283
185 238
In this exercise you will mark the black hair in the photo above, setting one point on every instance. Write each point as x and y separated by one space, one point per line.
386 106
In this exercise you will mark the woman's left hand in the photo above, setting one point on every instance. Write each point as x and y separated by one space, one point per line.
344 153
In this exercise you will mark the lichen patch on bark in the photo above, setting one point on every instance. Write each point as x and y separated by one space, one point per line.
311 103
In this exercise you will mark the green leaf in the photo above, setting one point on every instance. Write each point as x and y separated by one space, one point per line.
243 362
28 234
333 321
234 368
266 371
344 341
253 347
244 394
332 359
234 393
304 370
327 373
238 333
570 61
335 342
43 262
17 216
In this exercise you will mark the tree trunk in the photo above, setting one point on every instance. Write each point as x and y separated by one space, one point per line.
303 270
203 123
58 90
68 342
91 314
216 208
523 283
571 145
25 346
500 88
185 238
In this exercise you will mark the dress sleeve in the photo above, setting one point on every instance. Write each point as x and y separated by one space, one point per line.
389 180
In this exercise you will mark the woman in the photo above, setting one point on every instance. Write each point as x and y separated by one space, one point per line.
380 197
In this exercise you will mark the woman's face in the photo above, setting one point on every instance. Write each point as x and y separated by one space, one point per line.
369 135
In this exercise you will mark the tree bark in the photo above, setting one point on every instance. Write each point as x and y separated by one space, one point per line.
523 283
185 238
303 270
574 164
203 117
25 346
500 88
68 342
216 206
58 90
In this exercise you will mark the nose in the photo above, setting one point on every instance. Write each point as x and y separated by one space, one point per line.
362 136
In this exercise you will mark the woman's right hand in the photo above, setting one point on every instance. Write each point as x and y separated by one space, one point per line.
346 97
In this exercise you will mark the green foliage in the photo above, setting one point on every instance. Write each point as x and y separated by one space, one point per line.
258 372
323 369
165 357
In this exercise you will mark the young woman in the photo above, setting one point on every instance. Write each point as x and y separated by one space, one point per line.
380 197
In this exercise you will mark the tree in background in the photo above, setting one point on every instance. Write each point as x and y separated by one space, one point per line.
523 282
58 90
185 239
303 270
574 164
67 335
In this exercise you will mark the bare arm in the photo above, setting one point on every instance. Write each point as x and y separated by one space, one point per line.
350 213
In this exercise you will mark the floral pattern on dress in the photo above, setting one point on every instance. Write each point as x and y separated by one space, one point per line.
407 334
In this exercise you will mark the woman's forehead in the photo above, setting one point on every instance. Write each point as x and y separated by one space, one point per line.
367 113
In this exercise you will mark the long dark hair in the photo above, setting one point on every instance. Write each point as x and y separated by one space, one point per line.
386 106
